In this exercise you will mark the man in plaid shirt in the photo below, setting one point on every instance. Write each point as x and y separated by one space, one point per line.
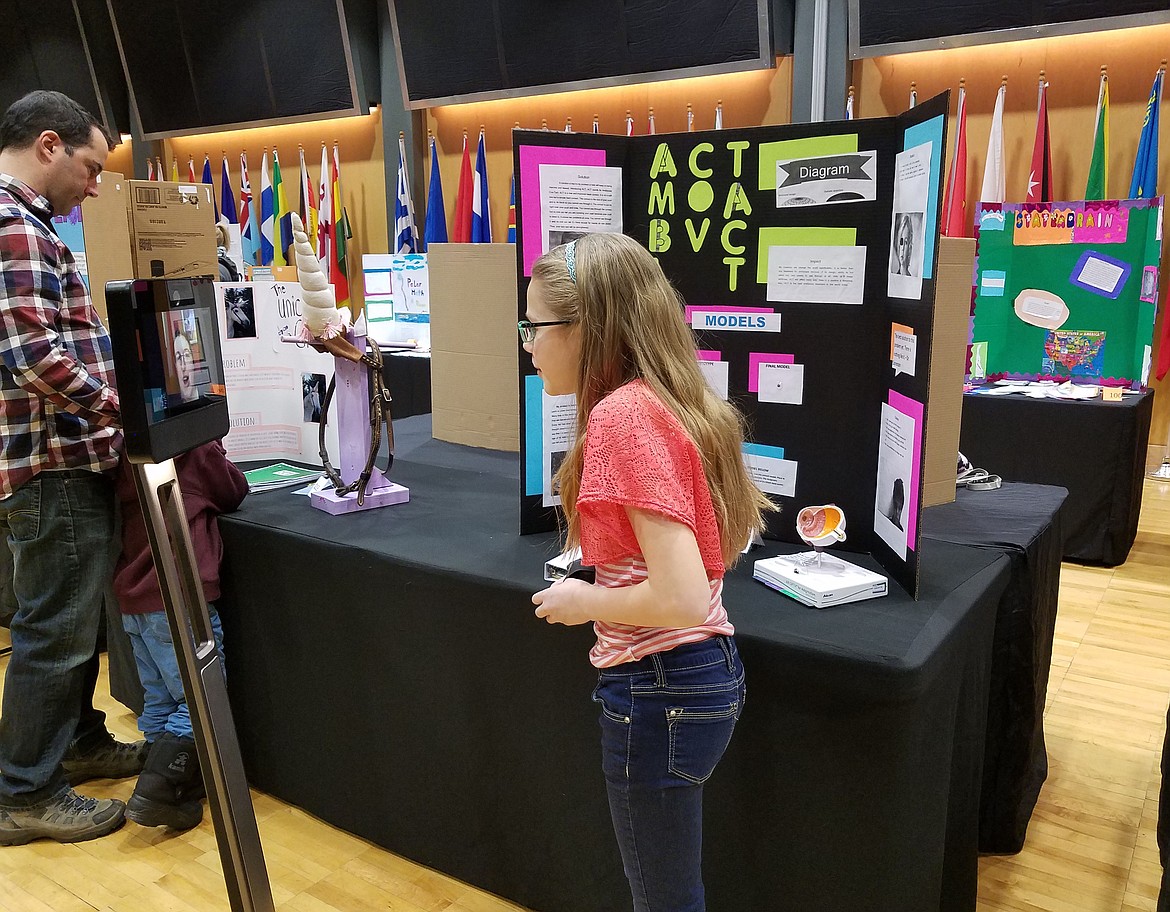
59 440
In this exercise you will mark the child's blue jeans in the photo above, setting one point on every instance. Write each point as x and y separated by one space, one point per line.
665 722
164 703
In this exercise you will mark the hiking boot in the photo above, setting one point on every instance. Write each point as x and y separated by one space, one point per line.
109 759
68 817
162 796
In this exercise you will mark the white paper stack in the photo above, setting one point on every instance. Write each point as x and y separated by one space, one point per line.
831 582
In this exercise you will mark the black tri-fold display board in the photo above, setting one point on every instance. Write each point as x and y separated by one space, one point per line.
806 255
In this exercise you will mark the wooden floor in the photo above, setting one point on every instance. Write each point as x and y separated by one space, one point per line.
1091 845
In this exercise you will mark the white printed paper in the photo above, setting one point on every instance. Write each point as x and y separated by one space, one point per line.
737 322
1101 275
715 373
560 429
772 475
905 352
816 275
577 200
783 383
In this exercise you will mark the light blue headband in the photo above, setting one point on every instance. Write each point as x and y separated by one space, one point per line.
571 260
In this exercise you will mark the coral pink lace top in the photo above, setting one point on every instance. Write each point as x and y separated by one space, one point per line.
638 454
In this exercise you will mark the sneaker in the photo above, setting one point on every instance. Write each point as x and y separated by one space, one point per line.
68 817
109 760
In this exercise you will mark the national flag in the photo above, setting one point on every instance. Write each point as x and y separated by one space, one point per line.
629 123
1040 177
207 180
512 212
650 124
339 235
954 220
190 169
1144 183
149 169
325 213
307 209
249 223
718 115
481 216
435 229
849 115
1097 186
282 230
267 221
994 176
690 119
227 199
913 94
405 234
461 230
174 170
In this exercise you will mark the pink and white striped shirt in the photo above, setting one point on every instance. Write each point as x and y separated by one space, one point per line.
618 643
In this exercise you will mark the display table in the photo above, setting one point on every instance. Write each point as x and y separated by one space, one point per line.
1024 522
388 675
1095 449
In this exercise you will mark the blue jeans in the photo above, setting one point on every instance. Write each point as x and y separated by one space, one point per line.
164 705
59 528
665 722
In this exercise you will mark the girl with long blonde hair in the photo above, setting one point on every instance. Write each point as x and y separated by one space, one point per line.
655 492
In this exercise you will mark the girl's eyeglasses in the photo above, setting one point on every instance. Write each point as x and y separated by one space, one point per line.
528 329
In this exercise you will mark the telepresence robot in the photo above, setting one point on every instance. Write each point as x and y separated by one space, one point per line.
173 399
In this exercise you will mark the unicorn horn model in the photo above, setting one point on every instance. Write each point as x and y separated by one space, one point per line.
323 320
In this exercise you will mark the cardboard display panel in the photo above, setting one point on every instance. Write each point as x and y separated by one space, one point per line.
473 373
807 257
1066 290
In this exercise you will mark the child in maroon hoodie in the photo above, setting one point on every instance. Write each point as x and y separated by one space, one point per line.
170 789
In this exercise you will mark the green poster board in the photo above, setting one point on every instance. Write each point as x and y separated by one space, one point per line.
1066 290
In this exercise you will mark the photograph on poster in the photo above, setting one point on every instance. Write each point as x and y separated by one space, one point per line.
907 233
894 469
826 179
312 395
577 200
241 312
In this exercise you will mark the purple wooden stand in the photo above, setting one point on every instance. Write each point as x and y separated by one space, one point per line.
352 400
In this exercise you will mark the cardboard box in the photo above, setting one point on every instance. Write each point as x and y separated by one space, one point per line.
172 228
105 225
474 364
948 361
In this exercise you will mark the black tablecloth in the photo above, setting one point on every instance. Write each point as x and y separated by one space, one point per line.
1095 449
408 377
1024 522
387 674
